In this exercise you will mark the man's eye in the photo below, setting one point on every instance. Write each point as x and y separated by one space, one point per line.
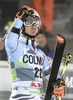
29 21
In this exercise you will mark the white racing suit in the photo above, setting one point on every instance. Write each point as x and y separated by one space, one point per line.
27 67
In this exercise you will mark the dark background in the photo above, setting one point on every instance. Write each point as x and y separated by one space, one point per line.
63 19
63 24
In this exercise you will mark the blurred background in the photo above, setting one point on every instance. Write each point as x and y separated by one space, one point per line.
56 17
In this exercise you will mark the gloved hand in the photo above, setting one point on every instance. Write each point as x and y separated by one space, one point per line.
24 12
59 88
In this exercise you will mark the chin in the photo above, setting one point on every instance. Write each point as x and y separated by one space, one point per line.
33 34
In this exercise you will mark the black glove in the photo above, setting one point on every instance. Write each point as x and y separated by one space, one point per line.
24 12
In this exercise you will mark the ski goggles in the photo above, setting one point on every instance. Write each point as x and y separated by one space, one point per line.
29 22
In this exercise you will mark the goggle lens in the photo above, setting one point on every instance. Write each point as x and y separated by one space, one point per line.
29 22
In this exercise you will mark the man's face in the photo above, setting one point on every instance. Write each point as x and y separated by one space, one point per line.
41 39
31 26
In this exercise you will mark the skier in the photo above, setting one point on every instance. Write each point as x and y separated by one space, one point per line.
28 64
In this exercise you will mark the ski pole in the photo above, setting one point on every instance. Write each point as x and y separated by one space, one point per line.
67 60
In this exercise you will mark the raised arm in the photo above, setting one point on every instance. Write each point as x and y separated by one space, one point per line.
11 40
